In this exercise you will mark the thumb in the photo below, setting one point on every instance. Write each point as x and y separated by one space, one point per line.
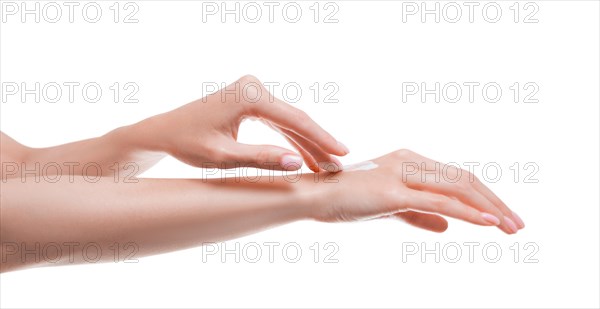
427 221
266 157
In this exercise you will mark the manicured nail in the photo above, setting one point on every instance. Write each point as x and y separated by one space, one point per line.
291 162
343 147
518 220
490 218
331 167
510 224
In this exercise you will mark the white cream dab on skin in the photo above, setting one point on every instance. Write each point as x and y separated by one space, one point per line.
362 166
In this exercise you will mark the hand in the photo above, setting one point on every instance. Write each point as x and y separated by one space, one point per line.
398 187
205 131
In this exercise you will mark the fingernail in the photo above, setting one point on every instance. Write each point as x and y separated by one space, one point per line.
518 220
331 167
490 218
291 162
510 224
343 147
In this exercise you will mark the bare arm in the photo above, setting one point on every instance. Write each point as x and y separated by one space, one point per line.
161 215
118 146
157 215
201 132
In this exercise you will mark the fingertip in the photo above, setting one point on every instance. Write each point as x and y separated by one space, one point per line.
444 227
510 224
332 166
329 167
344 148
313 166
441 229
518 220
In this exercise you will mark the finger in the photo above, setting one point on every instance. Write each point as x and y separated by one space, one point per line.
422 201
324 160
262 156
310 161
462 191
452 173
425 221
483 189
308 158
293 119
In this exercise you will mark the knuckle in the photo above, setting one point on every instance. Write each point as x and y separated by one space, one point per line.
248 78
252 91
468 178
473 178
300 117
438 203
300 114
463 189
403 153
466 174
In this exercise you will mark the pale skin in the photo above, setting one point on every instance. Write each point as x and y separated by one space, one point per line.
163 215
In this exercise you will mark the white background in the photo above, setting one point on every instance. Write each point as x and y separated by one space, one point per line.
369 53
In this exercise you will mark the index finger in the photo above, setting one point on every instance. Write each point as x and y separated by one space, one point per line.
296 120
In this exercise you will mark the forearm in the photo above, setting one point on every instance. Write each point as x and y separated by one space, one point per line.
106 155
157 215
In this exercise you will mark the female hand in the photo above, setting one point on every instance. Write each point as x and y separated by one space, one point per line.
413 188
205 131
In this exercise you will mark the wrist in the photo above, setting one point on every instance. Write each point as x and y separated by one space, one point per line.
136 142
144 135
314 195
